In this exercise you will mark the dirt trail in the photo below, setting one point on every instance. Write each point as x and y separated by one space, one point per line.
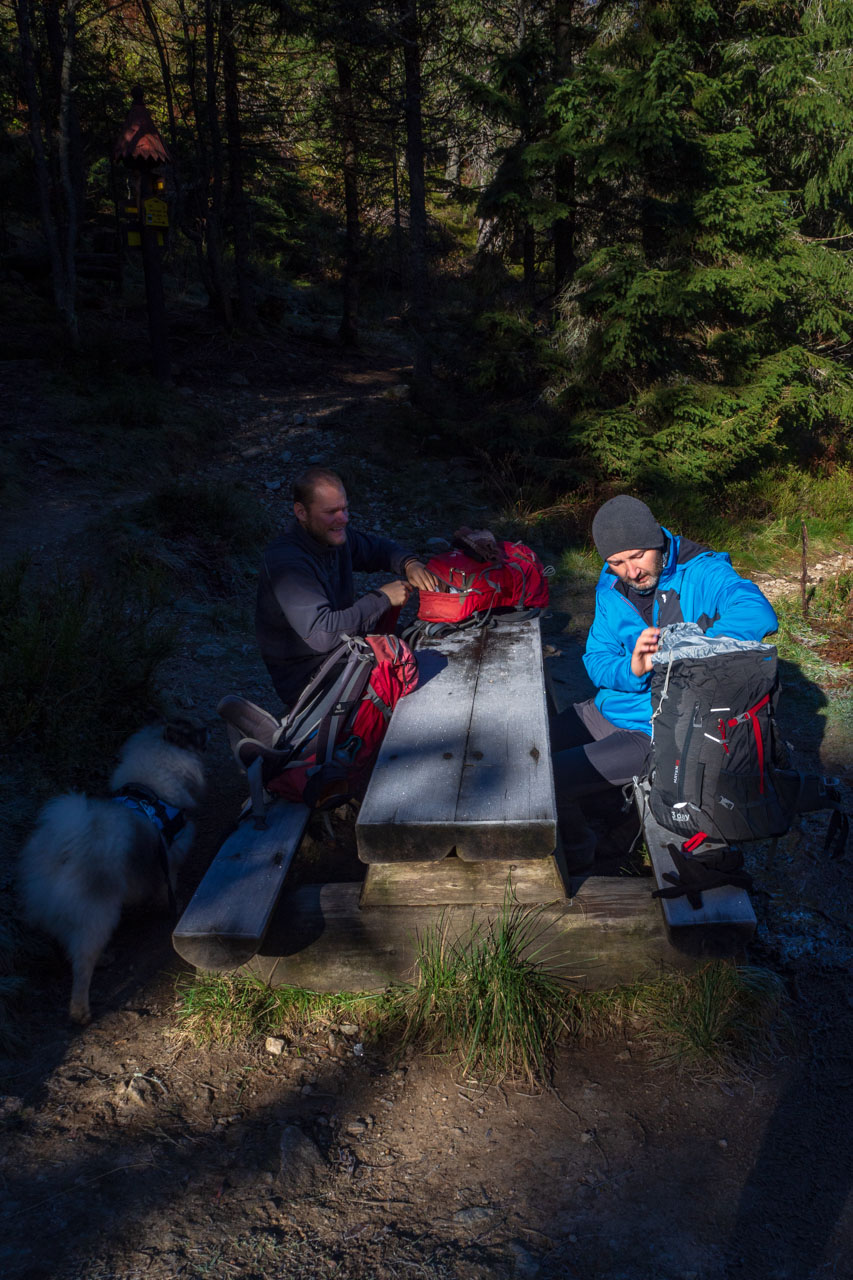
125 1152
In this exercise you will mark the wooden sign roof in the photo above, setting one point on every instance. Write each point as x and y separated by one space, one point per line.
139 142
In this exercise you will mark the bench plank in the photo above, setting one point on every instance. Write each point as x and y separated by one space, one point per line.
508 778
466 761
323 940
726 920
228 916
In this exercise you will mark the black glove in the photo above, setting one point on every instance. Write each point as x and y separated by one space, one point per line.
697 874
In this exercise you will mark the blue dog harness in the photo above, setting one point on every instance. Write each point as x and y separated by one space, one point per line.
168 821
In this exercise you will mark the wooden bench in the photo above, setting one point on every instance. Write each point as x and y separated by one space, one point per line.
228 916
324 938
724 923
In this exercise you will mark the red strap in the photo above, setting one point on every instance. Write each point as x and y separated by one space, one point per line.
759 741
750 712
722 728
691 845
759 749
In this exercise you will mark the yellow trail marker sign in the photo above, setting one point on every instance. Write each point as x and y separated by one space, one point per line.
156 212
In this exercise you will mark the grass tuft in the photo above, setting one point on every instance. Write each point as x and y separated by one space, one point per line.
137 426
226 1010
210 511
821 643
206 537
486 997
722 1016
486 1000
77 667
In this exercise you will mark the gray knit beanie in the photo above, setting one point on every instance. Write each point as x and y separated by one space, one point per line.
625 524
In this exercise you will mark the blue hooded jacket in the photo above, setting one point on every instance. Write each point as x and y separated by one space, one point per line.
696 585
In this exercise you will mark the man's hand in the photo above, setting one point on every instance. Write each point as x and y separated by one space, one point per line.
418 575
647 644
397 592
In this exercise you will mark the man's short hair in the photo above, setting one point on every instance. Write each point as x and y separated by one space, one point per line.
305 484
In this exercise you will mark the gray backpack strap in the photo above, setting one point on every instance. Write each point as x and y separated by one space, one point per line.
348 690
263 745
257 795
243 719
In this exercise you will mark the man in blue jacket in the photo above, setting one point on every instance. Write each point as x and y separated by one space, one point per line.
306 594
651 579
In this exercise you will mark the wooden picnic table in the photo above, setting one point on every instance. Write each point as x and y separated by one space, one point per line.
460 811
466 761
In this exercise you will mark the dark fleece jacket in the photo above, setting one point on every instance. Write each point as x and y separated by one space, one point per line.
306 600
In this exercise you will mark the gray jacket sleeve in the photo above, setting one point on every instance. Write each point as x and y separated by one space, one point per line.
307 609
306 601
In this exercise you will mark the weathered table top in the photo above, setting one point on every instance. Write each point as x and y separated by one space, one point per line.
466 761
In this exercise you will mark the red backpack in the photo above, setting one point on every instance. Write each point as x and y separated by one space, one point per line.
322 751
482 577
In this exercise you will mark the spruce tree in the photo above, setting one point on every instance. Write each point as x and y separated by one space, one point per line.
705 333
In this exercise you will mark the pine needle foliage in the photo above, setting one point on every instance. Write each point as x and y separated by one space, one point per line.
708 329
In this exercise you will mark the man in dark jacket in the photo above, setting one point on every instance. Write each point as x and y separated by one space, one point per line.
306 595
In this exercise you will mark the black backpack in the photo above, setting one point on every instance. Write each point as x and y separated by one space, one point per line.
719 765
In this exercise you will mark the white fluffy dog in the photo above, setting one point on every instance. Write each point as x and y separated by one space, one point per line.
89 857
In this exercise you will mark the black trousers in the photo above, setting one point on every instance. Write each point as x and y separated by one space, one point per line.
591 755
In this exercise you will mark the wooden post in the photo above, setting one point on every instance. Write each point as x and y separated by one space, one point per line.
152 267
141 149
804 569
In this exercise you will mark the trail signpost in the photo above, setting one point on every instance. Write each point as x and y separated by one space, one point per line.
141 149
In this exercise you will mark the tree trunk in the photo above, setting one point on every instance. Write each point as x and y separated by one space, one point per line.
193 232
165 73
63 291
236 183
154 297
451 165
215 249
348 330
70 188
529 259
410 41
565 262
61 34
398 224
177 216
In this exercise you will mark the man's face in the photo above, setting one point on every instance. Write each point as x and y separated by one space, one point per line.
640 569
327 515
